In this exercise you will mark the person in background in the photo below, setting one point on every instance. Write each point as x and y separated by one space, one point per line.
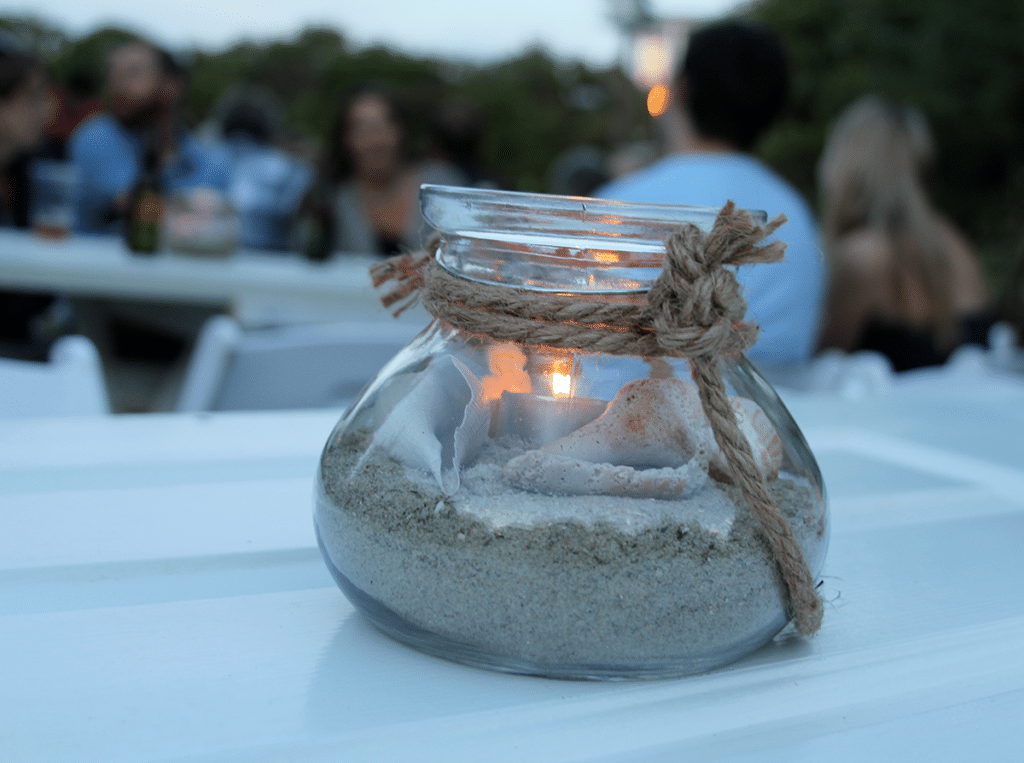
77 99
26 107
144 89
456 138
267 185
29 322
577 171
904 281
376 187
727 93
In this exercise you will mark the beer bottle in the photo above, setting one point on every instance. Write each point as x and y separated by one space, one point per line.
318 223
146 206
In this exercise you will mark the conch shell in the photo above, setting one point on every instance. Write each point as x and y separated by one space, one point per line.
653 441
438 424
543 472
651 423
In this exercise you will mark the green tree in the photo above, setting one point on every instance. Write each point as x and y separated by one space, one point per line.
959 63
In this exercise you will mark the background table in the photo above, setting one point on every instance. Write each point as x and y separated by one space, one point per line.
174 295
101 266
161 598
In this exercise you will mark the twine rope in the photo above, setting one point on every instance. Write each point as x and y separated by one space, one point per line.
695 309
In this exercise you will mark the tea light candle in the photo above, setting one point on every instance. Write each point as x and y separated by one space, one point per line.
540 419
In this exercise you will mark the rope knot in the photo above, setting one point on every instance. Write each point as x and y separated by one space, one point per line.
696 305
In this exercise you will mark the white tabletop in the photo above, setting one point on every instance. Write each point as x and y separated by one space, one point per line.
161 598
101 266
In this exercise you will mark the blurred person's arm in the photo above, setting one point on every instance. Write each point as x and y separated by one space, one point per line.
786 299
970 287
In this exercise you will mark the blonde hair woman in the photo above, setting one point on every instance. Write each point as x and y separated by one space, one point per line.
904 281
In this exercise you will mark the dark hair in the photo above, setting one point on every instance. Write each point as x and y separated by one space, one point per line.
336 164
248 119
456 128
16 64
736 76
169 64
82 82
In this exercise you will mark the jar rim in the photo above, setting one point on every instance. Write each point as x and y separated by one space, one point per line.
546 242
458 208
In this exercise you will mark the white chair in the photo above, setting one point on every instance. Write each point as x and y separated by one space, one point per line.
852 376
867 373
1005 351
287 367
71 383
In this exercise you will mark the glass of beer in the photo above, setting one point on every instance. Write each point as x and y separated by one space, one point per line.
54 197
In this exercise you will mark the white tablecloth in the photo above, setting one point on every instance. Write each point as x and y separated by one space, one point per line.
161 598
265 287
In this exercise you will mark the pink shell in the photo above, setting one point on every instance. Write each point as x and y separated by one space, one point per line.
660 423
651 423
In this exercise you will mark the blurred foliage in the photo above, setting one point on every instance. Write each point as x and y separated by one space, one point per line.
961 63
534 107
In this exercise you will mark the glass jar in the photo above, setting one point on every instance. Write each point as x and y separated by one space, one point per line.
567 513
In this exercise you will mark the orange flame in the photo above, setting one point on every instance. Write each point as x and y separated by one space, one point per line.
658 99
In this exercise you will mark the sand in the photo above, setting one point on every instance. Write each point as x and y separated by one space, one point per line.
567 586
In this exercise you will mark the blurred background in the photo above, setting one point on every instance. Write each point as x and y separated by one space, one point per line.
559 85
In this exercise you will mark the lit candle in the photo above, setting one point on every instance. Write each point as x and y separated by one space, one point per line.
520 411
540 419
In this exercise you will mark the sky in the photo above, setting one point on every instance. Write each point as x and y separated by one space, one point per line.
464 30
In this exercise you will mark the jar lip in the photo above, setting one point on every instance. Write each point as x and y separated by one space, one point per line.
456 209
544 242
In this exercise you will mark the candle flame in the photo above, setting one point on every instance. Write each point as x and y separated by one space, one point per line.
560 386
658 100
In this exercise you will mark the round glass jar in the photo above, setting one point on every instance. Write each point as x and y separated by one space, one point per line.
564 513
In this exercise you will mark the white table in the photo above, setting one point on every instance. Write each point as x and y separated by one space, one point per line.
259 288
176 294
101 266
161 598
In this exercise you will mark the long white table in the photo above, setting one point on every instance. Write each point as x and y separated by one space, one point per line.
259 288
101 266
161 598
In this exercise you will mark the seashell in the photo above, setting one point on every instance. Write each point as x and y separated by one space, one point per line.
651 423
652 441
764 442
439 423
544 472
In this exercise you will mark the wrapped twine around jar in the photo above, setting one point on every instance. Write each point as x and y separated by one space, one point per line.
695 309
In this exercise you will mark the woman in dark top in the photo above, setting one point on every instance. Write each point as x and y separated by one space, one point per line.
376 201
27 321
25 107
904 281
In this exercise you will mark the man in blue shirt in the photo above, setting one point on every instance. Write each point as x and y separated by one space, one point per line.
727 93
267 185
145 86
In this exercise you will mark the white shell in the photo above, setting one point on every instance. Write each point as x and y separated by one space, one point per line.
438 425
652 441
764 441
546 473
651 423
